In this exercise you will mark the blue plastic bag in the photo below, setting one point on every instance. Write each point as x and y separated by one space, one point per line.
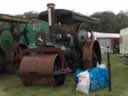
98 78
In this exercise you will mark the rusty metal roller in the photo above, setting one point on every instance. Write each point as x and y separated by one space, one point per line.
91 53
42 69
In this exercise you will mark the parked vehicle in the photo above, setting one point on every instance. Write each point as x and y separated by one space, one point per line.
65 46
8 38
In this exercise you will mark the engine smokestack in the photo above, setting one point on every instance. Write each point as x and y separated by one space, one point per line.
51 14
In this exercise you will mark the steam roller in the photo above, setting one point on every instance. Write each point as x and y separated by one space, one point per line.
67 42
44 66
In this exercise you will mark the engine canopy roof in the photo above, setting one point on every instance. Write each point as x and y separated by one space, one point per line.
68 17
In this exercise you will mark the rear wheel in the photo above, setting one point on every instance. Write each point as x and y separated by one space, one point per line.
91 54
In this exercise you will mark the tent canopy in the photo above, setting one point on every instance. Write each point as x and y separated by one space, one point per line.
106 35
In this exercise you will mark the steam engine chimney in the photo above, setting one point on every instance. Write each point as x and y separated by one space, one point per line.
51 15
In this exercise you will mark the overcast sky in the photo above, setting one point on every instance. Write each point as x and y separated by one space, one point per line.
86 7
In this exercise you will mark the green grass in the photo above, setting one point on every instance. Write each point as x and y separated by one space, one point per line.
10 85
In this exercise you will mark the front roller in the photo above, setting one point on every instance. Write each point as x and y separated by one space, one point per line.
43 68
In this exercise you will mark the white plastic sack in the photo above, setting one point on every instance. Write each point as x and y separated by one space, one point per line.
101 66
83 82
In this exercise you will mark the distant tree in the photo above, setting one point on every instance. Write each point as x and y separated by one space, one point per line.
31 14
107 21
122 21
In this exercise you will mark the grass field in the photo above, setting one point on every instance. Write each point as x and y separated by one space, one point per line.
10 85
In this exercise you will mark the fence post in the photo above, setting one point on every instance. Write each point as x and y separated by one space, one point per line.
109 68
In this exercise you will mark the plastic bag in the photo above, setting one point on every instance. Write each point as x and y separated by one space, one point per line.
102 66
78 71
83 82
98 77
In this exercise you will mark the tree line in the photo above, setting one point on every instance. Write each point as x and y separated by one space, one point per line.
110 22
